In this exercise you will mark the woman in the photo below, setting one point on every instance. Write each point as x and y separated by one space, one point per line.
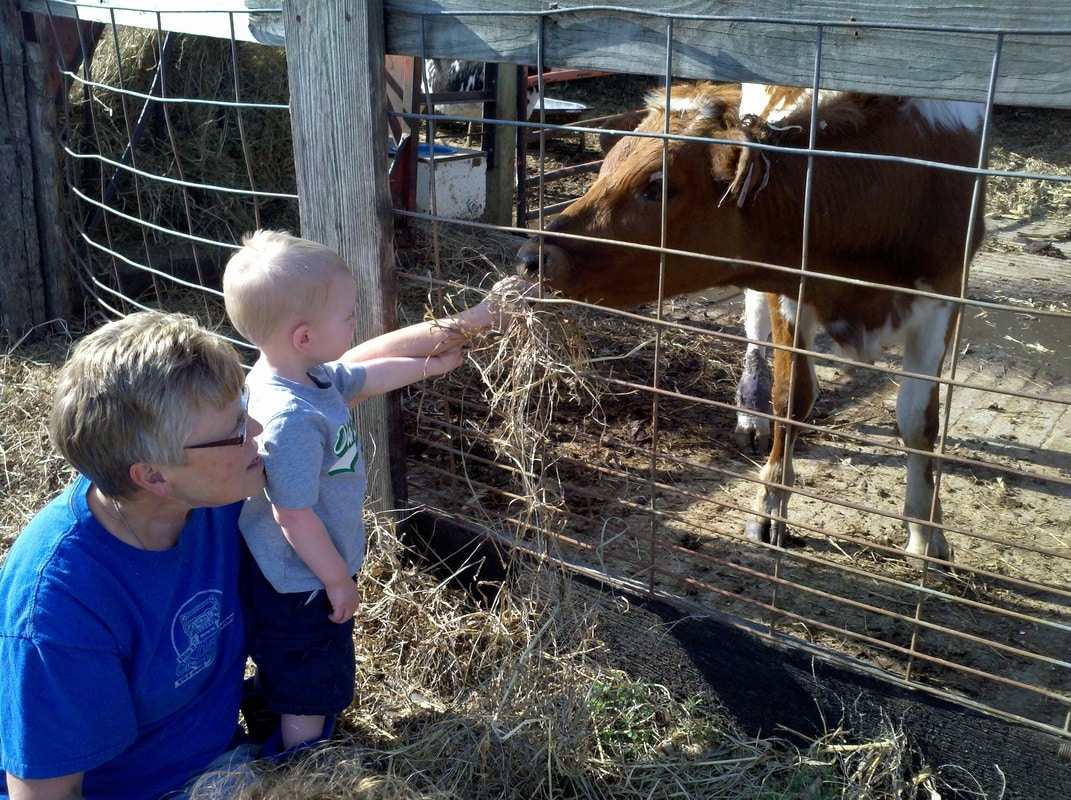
121 641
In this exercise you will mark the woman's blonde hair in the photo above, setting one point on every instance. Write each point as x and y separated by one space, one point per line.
130 391
277 279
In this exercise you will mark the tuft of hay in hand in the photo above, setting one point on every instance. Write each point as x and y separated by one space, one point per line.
539 361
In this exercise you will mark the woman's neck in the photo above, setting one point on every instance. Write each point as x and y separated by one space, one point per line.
143 523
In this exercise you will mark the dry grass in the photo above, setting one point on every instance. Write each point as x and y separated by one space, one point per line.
30 471
1030 141
516 701
455 701
200 140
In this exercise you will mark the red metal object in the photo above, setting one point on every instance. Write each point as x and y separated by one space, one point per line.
556 76
403 90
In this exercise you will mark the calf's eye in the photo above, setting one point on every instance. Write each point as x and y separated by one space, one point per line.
652 193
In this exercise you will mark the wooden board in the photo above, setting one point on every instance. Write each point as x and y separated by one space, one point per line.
945 51
942 51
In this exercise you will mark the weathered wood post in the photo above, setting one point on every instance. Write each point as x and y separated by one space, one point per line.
502 176
33 270
335 55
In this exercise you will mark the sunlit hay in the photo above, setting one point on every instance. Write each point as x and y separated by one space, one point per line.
420 644
31 472
326 772
525 369
446 267
1041 148
512 702
1026 199
336 782
540 361
457 703
446 692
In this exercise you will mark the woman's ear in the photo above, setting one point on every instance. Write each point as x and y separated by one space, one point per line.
150 478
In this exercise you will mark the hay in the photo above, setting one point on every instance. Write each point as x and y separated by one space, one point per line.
541 361
195 138
31 473
516 702
1029 141
1026 199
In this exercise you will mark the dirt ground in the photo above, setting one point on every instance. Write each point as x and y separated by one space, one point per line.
659 497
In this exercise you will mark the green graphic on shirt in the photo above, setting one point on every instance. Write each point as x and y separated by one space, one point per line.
347 449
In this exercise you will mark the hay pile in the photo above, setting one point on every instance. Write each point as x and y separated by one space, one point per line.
523 699
520 700
1030 141
193 136
517 701
30 471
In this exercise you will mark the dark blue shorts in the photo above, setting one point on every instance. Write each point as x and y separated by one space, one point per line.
305 662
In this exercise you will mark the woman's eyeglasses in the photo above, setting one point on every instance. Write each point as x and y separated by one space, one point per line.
234 440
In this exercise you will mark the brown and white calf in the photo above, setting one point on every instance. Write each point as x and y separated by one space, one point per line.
731 213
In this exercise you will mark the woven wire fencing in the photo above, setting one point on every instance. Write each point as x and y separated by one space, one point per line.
175 145
617 456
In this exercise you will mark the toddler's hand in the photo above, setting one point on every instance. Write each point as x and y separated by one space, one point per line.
441 363
344 599
505 297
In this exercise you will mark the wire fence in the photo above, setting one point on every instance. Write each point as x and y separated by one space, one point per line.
177 144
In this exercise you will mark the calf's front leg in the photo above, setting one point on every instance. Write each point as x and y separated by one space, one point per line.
795 389
753 392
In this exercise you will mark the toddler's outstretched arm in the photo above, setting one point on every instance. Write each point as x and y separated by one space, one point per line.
439 337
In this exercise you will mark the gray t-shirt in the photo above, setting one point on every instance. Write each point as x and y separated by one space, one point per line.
312 457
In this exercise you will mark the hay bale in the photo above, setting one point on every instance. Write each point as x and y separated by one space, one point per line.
194 134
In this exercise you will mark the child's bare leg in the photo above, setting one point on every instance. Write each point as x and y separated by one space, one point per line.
299 729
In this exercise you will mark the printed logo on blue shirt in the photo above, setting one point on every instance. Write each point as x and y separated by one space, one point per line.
195 634
347 450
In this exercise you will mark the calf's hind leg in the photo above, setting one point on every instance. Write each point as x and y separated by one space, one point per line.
925 342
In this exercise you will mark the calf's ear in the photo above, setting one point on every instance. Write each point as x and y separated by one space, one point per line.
740 171
719 103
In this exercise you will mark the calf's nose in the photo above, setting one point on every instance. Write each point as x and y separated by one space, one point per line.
528 261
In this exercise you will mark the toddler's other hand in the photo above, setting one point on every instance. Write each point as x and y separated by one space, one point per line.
344 598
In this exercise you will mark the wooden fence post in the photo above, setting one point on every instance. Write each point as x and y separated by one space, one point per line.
335 55
33 270
502 175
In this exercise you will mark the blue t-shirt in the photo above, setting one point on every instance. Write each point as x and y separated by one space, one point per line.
123 664
312 458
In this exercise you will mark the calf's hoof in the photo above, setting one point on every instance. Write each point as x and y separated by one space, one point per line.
941 551
767 531
935 546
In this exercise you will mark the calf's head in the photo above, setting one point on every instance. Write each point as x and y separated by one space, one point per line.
607 246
